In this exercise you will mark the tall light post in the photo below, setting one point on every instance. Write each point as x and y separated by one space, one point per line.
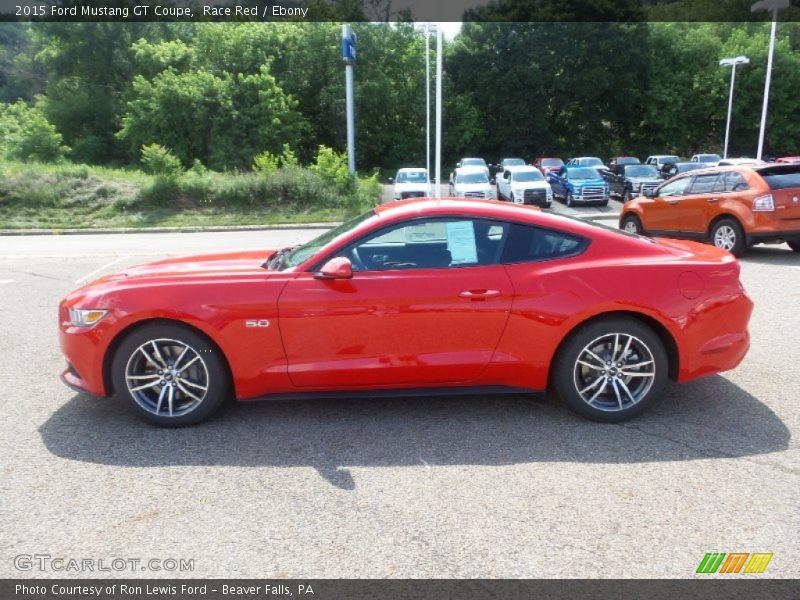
731 62
349 57
774 6
438 192
426 28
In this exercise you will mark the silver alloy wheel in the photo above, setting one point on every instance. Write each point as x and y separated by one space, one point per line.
614 372
167 377
630 226
725 237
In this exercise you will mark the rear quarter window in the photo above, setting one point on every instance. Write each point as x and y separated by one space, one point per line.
529 244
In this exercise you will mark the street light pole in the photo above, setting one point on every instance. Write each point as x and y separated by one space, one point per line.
427 103
349 56
438 111
731 62
774 6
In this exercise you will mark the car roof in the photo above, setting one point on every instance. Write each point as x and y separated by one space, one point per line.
518 168
412 170
472 158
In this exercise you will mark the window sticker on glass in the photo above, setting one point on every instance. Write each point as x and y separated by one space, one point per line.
461 242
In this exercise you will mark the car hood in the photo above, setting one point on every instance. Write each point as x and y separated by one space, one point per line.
583 182
237 263
531 185
645 179
472 187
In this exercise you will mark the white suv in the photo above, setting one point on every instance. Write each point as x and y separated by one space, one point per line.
471 182
411 183
524 185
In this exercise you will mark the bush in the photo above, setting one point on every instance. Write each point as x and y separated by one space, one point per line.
332 166
26 134
266 162
159 161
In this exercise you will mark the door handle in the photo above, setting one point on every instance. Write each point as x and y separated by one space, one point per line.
713 199
672 202
479 294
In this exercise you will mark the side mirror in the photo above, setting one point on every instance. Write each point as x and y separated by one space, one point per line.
649 193
336 268
390 180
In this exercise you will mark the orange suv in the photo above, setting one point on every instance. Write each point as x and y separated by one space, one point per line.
730 207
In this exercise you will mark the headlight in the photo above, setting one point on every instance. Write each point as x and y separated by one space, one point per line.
86 317
764 203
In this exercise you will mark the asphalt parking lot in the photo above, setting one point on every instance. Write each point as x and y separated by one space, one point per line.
437 487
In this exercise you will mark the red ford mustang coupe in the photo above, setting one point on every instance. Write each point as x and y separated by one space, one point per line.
417 296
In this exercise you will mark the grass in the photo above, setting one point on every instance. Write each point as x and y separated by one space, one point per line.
37 196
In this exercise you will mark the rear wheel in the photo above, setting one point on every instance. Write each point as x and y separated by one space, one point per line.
170 375
611 370
632 224
794 245
728 235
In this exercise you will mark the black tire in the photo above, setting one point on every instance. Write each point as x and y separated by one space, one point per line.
794 245
609 401
499 195
203 367
632 221
626 195
511 199
728 235
603 203
570 200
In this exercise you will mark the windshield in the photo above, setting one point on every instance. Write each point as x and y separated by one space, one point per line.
591 161
709 157
582 173
627 160
513 162
552 162
292 257
641 171
479 177
473 162
412 177
532 175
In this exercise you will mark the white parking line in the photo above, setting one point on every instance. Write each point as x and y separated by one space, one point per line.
2 281
103 268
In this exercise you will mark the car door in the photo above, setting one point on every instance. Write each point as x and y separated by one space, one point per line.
699 202
427 304
558 183
662 214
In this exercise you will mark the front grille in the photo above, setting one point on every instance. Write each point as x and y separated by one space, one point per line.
404 195
474 194
593 193
535 197
648 186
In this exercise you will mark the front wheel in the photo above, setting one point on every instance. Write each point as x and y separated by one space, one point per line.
728 235
170 375
626 195
611 370
794 245
570 199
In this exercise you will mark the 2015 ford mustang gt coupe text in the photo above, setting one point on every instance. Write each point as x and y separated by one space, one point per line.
414 296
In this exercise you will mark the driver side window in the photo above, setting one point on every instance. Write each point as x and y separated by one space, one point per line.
430 244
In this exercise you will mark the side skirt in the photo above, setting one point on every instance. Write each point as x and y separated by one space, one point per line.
485 390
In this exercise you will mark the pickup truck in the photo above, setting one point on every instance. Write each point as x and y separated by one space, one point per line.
579 185
524 185
633 180
411 183
470 182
